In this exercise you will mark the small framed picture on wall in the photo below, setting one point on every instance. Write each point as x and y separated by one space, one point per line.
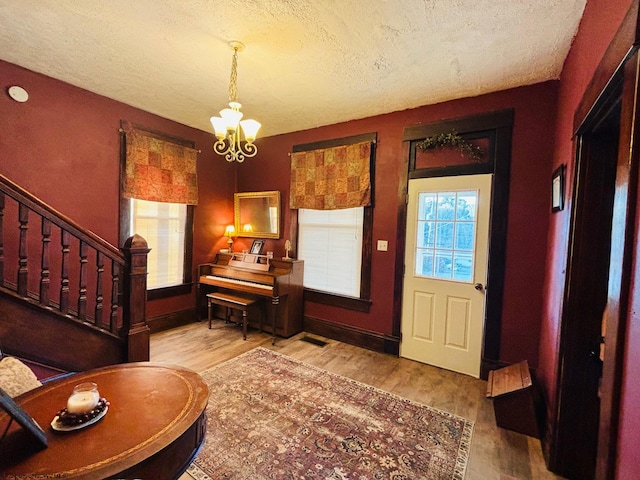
557 189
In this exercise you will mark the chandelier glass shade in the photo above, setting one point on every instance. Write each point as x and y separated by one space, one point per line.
229 124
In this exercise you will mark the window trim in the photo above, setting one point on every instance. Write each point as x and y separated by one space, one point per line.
125 220
363 303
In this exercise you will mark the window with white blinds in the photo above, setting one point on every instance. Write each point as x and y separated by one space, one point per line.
330 243
163 226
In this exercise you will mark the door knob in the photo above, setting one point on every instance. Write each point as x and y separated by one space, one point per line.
479 287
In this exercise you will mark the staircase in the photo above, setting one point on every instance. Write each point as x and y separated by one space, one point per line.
68 298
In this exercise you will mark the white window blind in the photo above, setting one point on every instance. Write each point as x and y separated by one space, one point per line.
330 243
163 227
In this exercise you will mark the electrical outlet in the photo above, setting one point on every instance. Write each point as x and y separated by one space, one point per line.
383 245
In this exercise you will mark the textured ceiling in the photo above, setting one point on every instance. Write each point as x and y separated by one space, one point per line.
306 63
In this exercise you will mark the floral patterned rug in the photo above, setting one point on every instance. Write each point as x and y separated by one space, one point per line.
273 417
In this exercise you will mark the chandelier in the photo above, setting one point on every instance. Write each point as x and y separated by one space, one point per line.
228 125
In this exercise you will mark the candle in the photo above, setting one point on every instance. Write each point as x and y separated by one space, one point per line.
84 398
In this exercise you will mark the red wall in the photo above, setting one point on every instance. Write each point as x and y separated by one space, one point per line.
528 211
64 127
63 146
598 26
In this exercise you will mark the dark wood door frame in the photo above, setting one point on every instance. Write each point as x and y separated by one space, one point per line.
576 419
497 127
613 89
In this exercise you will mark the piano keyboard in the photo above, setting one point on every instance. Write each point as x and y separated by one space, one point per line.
240 282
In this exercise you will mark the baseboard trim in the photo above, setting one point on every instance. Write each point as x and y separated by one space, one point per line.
171 320
353 336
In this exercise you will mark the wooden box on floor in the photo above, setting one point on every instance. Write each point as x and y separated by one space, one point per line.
512 391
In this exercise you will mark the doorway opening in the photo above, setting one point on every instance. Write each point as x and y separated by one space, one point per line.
586 292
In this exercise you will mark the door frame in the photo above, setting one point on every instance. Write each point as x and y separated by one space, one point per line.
497 128
588 268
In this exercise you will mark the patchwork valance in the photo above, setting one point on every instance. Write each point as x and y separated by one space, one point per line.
332 178
159 170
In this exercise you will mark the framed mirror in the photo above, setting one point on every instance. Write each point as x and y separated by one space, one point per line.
257 214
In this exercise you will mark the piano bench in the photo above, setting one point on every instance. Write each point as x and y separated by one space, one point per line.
232 302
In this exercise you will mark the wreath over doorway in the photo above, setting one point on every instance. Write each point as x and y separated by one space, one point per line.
453 140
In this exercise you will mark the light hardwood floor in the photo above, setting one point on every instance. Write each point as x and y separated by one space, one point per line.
496 453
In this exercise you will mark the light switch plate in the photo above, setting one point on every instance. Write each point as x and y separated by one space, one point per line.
383 245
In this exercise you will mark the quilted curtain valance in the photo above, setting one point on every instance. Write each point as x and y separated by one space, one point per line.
332 178
159 170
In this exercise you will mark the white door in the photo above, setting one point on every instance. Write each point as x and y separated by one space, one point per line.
445 271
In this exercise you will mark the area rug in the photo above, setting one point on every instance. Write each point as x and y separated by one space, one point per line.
273 417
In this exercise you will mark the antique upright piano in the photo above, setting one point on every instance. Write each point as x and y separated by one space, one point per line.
279 282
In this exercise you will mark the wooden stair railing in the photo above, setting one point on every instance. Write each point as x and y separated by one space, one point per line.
92 276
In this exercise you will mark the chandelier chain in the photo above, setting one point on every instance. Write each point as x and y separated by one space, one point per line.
233 80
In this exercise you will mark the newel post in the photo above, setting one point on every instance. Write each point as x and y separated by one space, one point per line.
134 306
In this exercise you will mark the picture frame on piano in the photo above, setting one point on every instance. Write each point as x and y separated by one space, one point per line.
256 247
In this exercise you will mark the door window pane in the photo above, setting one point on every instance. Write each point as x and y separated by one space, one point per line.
446 232
466 206
427 206
424 263
443 264
462 267
465 235
426 234
446 206
444 235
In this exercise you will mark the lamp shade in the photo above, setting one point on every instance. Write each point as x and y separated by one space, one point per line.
250 129
220 126
230 230
231 118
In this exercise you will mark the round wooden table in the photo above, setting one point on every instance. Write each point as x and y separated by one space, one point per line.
153 428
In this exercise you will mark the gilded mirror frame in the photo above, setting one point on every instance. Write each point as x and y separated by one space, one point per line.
260 210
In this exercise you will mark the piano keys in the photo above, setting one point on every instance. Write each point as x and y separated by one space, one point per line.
236 284
280 285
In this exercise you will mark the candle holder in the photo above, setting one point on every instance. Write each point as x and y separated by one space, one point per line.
83 399
84 407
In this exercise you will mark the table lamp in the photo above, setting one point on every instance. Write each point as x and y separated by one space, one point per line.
229 232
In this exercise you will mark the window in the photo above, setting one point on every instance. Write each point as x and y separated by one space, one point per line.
337 264
330 243
161 169
167 228
163 226
331 196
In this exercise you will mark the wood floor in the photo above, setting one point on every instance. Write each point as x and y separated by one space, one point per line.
496 453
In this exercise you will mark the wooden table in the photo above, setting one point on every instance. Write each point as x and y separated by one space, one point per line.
153 429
